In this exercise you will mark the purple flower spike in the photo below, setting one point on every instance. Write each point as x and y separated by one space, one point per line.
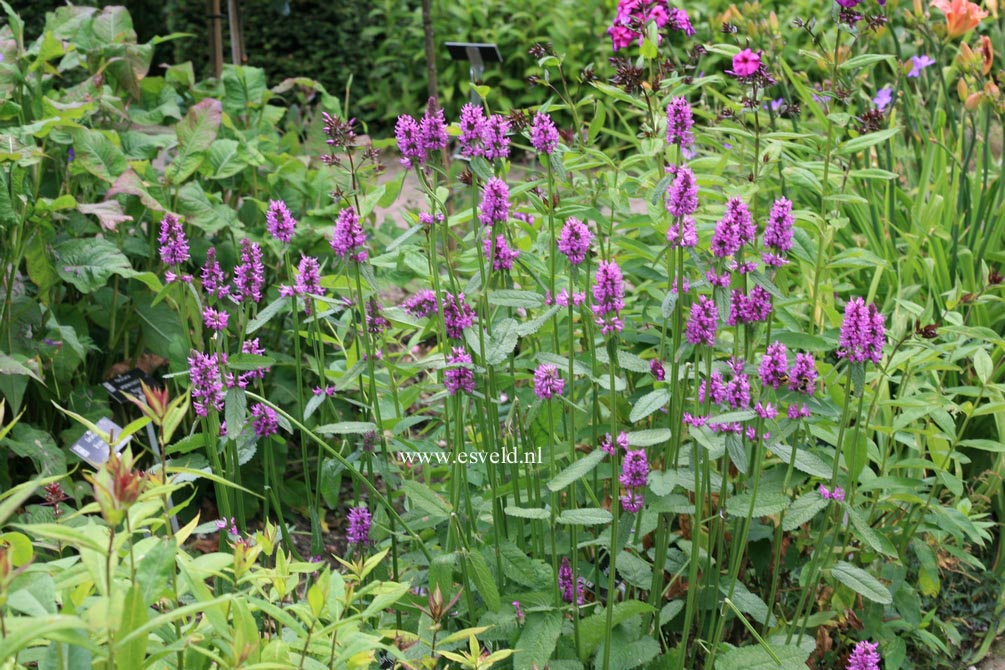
457 315
571 587
701 325
461 377
574 240
500 252
496 137
207 384
410 141
421 304
348 239
495 202
778 232
249 275
279 222
547 381
864 657
774 366
473 128
682 194
265 421
608 297
679 123
863 333
358 530
433 128
543 134
174 245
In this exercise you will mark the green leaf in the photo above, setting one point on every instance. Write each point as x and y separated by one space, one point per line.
88 263
11 366
235 411
225 159
114 25
868 140
537 640
346 428
983 366
576 470
249 362
802 510
196 133
266 315
592 629
766 504
805 461
155 569
483 579
648 438
861 582
244 88
866 60
757 658
502 342
97 154
875 539
134 614
514 298
648 404
748 602
586 516
527 512
425 498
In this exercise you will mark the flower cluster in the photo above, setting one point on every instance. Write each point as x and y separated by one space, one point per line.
701 325
864 657
279 222
421 304
358 528
459 377
495 202
547 381
863 332
416 139
308 280
751 307
488 138
733 230
634 15
207 385
608 297
682 194
543 134
778 233
836 495
634 472
498 250
574 240
249 275
265 420
679 122
457 315
570 586
348 239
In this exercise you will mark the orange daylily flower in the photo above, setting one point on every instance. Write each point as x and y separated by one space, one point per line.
962 16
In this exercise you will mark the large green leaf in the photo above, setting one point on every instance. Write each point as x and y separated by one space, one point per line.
483 579
244 88
113 25
98 154
196 133
537 641
757 658
576 470
88 263
648 404
225 159
861 582
592 629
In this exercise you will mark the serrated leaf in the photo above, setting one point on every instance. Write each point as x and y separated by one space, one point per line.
757 658
586 516
484 581
576 471
97 154
502 343
649 403
346 428
425 498
235 410
805 461
225 159
592 628
802 510
537 640
648 438
536 513
513 298
875 539
861 582
88 263
766 504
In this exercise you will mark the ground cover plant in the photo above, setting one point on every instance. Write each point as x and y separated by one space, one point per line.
696 365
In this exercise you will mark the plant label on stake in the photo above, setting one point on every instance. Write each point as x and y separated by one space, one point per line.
93 448
128 382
